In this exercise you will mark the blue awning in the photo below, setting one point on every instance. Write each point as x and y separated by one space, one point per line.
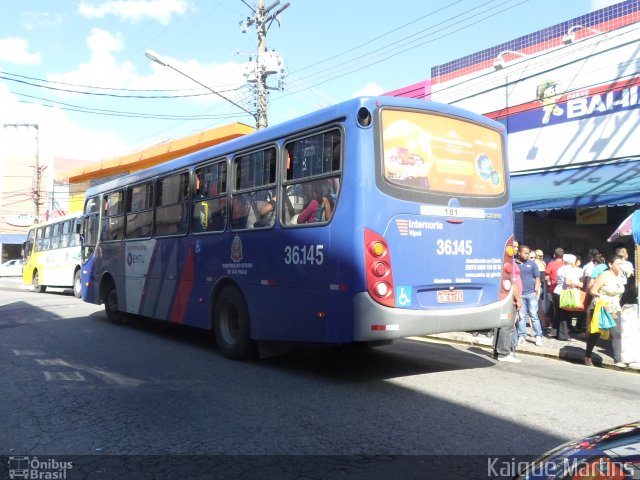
13 238
593 186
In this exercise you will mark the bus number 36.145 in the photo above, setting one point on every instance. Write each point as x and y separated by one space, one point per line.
304 255
454 247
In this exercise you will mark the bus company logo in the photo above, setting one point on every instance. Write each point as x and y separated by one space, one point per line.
34 468
129 259
403 227
414 228
236 249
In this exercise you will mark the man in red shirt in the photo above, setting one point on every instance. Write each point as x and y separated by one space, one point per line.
552 280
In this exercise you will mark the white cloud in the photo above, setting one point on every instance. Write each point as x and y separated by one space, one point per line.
57 135
102 68
370 89
135 10
41 20
16 50
63 137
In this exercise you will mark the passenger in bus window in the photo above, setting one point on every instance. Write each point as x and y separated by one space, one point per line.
239 212
266 211
313 198
325 210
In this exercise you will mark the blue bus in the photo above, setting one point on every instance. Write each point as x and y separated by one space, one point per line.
374 219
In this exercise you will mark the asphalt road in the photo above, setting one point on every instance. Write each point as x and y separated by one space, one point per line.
75 386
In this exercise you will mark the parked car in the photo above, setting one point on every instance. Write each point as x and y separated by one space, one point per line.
611 454
11 268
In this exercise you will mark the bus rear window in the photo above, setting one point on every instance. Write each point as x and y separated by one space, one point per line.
444 155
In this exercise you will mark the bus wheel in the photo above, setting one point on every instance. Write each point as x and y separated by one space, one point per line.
36 284
111 305
77 284
231 325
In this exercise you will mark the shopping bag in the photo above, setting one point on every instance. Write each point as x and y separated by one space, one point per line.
595 318
606 321
572 299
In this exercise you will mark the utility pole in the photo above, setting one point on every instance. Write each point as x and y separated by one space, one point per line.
37 173
262 19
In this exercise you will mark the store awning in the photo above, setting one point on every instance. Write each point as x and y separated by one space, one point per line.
13 238
594 186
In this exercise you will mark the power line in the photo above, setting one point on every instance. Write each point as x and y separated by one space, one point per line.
331 75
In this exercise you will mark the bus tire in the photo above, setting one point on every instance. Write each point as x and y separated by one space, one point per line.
111 305
231 325
36 283
77 284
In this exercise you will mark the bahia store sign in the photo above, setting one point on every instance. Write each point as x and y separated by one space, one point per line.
574 104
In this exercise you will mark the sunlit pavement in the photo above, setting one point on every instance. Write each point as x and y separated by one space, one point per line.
572 351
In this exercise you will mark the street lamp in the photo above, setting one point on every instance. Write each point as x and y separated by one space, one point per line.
499 63
570 36
154 57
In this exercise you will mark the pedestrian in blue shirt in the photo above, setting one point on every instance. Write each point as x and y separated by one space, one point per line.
530 277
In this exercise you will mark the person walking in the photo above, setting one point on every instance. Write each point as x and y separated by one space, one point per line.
609 286
543 303
530 278
569 276
504 338
552 280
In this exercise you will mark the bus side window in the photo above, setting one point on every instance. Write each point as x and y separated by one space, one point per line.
255 177
310 191
209 211
64 239
172 204
113 216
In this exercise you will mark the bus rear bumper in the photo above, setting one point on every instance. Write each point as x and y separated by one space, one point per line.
377 322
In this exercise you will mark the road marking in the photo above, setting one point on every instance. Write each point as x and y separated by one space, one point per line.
66 376
32 353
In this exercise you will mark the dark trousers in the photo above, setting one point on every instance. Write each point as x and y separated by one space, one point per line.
561 319
504 340
591 342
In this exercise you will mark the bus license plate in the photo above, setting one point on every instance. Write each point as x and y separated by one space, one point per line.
450 296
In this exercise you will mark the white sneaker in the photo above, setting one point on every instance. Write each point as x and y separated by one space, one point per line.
509 358
520 340
538 341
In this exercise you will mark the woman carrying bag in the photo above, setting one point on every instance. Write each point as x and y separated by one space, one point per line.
607 288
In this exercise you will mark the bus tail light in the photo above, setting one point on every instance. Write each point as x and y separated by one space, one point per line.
378 269
506 281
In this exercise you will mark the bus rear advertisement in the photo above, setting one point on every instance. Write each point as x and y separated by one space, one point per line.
374 219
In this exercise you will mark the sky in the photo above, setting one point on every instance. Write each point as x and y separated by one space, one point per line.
77 68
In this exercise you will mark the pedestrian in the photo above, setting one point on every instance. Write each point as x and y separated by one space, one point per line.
599 266
630 294
504 338
569 276
552 281
609 286
543 303
530 278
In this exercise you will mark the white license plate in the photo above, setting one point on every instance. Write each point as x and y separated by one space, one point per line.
450 296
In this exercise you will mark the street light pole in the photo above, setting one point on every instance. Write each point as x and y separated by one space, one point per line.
263 102
154 57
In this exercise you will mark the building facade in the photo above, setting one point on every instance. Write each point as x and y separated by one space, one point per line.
569 96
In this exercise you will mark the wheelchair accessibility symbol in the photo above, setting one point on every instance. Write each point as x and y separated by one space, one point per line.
403 296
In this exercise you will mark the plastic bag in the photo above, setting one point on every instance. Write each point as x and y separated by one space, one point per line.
570 298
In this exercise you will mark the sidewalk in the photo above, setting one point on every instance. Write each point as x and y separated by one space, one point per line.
572 351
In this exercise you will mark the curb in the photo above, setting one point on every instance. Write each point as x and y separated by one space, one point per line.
486 343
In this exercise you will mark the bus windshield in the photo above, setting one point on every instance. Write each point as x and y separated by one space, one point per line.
438 154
